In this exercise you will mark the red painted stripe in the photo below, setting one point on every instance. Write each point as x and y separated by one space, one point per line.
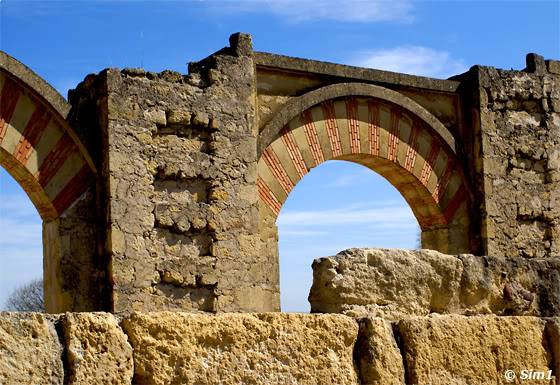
394 136
353 124
294 152
55 159
412 150
271 159
332 127
373 127
31 134
428 167
431 221
443 181
455 202
8 100
268 197
73 189
312 138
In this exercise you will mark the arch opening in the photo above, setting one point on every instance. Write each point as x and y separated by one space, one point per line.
355 208
46 159
21 249
395 140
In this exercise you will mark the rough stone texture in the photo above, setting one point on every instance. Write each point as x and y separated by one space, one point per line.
30 351
179 348
74 272
273 348
553 339
97 350
519 160
473 350
379 358
397 283
179 176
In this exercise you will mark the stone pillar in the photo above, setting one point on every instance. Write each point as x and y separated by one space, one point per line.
178 170
519 159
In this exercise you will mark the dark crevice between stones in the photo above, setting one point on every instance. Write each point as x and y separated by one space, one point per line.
359 346
59 328
408 380
551 340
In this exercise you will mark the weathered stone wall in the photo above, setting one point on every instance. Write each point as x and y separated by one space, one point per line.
266 348
165 187
393 284
178 168
519 158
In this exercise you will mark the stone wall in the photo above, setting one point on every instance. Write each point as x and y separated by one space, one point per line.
178 170
175 181
519 158
266 348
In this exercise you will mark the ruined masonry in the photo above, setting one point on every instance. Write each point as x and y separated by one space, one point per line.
159 194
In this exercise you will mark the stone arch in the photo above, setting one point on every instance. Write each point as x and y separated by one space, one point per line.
37 146
382 130
46 158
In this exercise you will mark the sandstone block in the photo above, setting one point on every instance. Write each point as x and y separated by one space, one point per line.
392 283
378 355
271 348
30 352
443 350
97 349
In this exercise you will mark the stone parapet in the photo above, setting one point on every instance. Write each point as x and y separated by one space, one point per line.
274 348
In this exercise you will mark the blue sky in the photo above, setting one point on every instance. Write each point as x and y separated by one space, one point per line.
64 41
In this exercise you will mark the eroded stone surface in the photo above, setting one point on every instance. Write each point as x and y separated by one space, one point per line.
30 352
553 339
520 172
443 350
379 358
394 283
98 351
271 348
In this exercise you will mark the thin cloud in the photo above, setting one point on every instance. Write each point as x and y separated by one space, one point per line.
389 215
354 179
365 11
415 60
302 233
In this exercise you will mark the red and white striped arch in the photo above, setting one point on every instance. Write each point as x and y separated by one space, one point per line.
381 135
37 147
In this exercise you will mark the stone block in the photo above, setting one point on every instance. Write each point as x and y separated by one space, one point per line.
272 348
98 351
443 350
393 283
30 351
553 66
379 358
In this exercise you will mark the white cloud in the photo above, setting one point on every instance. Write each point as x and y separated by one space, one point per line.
390 215
308 10
410 59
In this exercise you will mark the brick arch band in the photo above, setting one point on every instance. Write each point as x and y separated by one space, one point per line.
372 126
37 146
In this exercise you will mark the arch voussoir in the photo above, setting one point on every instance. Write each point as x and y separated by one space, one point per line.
371 126
37 146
